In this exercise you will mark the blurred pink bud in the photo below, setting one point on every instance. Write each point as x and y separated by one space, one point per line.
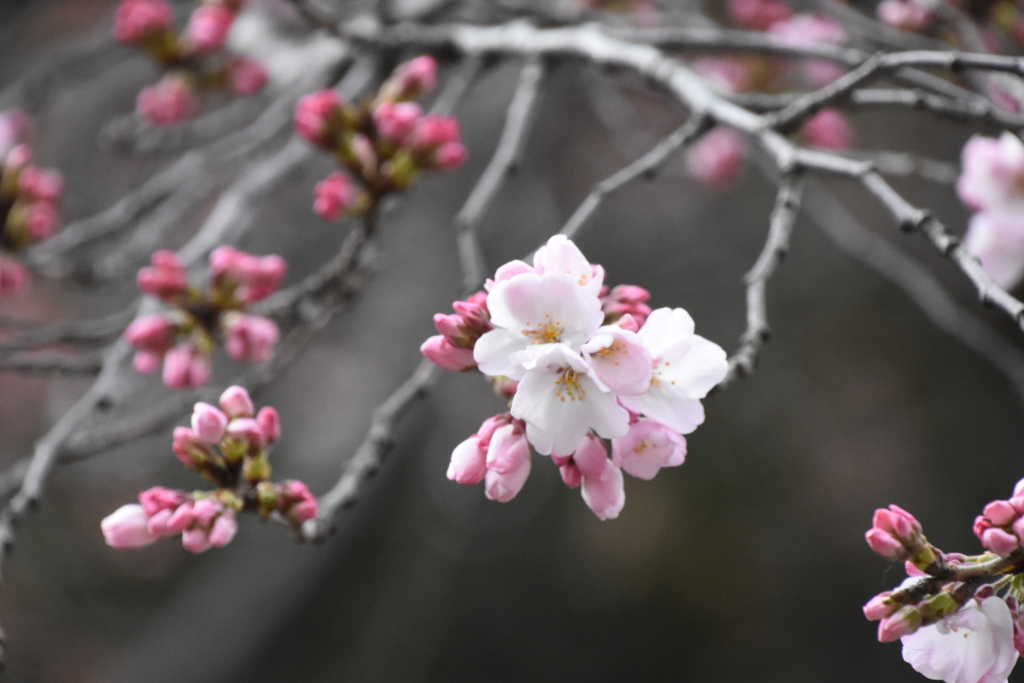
147 362
40 184
246 76
318 118
166 278
905 15
153 333
135 21
334 196
879 607
717 159
450 156
195 540
903 622
185 367
236 402
571 475
411 79
468 463
269 422
14 277
223 529
757 15
41 220
433 131
805 29
208 423
591 456
250 338
208 27
912 571
504 486
158 498
15 127
261 277
225 261
507 449
828 129
246 429
17 158
396 120
627 300
896 521
170 101
999 541
127 527
440 351
604 495
297 504
1000 512
883 543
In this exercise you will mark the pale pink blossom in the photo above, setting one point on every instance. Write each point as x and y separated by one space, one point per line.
507 448
561 255
998 242
717 159
828 129
993 175
449 156
619 361
236 402
127 527
560 402
685 367
208 423
504 486
468 462
804 29
974 645
432 131
153 333
647 447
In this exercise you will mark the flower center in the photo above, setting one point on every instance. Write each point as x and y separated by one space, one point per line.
656 372
544 333
568 386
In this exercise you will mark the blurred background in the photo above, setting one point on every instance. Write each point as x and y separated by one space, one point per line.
746 563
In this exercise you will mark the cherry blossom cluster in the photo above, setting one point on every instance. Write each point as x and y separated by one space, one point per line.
193 60
184 339
960 617
718 158
582 366
228 446
992 184
28 200
383 143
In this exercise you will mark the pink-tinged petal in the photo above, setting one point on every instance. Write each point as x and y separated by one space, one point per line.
508 449
195 540
659 403
440 352
545 309
561 255
269 422
647 447
571 475
223 529
591 457
236 402
605 495
509 271
157 526
504 487
127 527
182 518
619 360
469 462
1001 258
208 423
1000 512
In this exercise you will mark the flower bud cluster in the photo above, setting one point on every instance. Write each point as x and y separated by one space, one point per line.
194 60
582 365
896 535
229 445
1000 527
29 197
184 339
992 184
383 144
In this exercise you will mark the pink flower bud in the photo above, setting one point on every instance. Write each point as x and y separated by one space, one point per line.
14 276
334 196
1018 528
571 475
195 540
157 525
187 447
717 159
41 220
236 402
170 101
153 333
158 498
433 131
127 527
147 362
605 495
261 277
507 449
269 423
185 367
208 28
1000 512
904 622
411 79
246 76
396 120
627 300
205 510
591 457
165 278
912 571
15 127
504 486
208 423
296 503
883 543
450 156
318 118
828 129
468 463
250 338
135 21
223 529
757 15
246 429
440 351
999 541
40 184
906 16
879 607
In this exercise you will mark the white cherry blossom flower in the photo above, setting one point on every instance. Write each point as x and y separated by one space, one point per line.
619 360
974 645
685 367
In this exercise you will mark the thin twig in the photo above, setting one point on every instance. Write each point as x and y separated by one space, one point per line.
80 331
53 363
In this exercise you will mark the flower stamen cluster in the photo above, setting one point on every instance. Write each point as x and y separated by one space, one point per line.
228 445
194 60
184 339
580 369
383 143
29 198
